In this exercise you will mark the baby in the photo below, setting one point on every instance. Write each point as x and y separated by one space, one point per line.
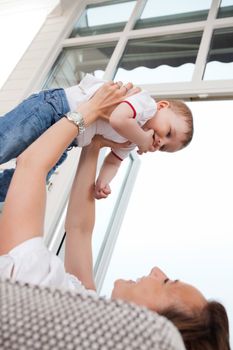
165 125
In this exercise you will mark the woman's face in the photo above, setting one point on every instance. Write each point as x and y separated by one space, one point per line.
157 292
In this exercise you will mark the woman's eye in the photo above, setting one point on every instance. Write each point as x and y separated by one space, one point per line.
166 280
169 134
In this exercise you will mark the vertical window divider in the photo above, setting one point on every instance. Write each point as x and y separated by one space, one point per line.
119 49
205 43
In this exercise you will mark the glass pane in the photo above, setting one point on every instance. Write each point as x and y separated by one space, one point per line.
220 59
168 58
226 9
74 63
103 18
172 12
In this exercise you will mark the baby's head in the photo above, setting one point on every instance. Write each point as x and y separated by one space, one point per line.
172 125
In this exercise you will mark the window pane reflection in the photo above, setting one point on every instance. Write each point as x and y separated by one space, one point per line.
103 18
220 59
74 63
226 9
173 12
168 58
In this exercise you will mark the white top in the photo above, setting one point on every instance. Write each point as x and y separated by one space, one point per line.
31 262
142 104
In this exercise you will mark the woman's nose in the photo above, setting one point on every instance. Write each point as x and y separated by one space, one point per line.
158 273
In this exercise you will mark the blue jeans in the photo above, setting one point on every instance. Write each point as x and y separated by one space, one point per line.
24 124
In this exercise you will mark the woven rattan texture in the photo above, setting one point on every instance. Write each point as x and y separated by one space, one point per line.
32 317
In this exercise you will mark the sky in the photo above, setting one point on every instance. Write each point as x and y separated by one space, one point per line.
15 35
180 213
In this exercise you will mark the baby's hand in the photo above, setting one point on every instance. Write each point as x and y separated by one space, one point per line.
101 190
148 142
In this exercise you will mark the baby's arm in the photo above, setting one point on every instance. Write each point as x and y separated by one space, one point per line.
107 173
122 120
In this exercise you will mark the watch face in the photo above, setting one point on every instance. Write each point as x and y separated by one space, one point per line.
77 119
77 116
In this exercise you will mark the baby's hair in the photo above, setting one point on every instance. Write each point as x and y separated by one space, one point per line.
180 108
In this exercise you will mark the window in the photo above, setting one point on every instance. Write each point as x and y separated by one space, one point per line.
172 12
103 18
167 58
74 63
220 59
226 9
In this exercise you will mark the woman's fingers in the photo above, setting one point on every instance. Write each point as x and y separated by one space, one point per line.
122 89
112 144
106 99
133 91
119 84
127 89
100 142
128 86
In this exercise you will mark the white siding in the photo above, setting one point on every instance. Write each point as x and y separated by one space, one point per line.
30 72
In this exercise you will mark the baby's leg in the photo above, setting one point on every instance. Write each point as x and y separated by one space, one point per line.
5 180
24 124
16 131
7 174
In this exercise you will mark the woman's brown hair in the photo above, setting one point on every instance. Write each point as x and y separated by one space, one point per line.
207 329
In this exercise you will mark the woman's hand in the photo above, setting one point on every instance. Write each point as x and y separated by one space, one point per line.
105 101
99 142
113 94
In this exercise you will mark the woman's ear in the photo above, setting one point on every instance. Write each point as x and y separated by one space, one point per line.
163 104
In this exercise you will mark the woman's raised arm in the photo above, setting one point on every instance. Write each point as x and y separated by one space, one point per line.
24 208
80 217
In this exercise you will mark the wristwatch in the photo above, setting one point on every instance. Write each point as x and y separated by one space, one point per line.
77 119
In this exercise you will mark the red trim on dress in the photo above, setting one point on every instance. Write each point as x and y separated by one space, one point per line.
116 155
132 107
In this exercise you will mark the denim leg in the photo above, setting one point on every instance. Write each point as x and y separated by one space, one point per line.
25 123
7 174
5 179
61 160
19 128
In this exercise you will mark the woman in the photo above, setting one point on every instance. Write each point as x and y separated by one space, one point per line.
203 324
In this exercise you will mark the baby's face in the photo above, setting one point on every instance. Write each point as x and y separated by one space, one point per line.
169 130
